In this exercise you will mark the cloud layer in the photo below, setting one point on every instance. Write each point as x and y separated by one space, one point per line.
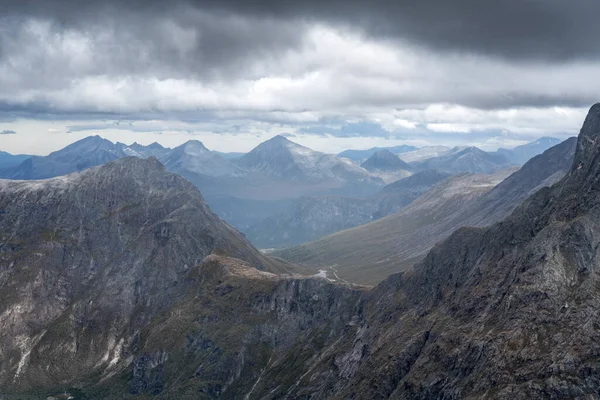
396 67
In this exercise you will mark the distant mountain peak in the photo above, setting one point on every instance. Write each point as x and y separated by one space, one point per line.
384 160
384 154
92 139
280 157
469 149
193 157
279 138
156 146
280 141
193 146
194 142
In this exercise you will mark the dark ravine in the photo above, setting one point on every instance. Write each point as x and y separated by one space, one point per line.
504 312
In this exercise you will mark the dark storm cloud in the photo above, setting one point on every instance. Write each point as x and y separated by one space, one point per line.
273 61
515 29
180 42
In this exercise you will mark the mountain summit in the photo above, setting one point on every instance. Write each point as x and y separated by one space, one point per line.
281 158
193 157
384 160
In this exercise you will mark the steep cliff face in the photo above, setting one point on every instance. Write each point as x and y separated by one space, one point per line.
237 328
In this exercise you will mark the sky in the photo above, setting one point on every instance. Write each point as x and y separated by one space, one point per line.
330 75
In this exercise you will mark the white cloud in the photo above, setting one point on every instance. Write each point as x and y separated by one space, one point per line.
334 75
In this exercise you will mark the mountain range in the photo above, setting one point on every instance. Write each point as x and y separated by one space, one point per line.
119 282
83 154
277 177
369 253
465 159
261 181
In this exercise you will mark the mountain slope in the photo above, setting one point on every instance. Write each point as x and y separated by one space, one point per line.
521 154
387 166
500 313
369 253
8 160
469 159
310 218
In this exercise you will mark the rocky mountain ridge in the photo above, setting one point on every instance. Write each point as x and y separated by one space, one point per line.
284 177
465 159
